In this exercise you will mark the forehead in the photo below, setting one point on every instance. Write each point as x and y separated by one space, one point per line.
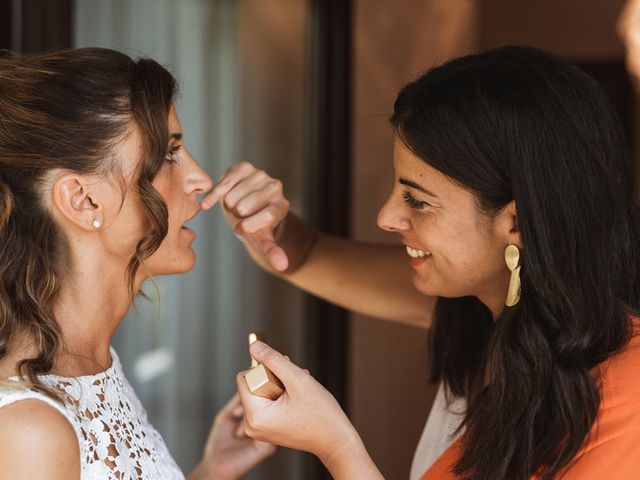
411 167
174 121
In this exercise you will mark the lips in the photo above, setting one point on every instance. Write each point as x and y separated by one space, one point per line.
191 218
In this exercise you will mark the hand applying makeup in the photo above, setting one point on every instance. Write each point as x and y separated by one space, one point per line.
254 206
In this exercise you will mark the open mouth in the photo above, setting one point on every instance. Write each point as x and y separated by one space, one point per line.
190 220
186 227
415 253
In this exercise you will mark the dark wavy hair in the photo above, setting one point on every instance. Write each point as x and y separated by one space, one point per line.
67 110
520 123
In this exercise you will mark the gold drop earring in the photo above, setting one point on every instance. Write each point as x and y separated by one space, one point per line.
512 258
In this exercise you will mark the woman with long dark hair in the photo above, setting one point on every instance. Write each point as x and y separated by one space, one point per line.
513 198
95 187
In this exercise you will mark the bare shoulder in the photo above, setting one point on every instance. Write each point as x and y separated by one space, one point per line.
37 441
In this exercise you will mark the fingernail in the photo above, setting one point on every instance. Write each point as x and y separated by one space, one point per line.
257 347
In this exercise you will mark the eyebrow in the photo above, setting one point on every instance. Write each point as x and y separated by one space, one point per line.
409 183
175 136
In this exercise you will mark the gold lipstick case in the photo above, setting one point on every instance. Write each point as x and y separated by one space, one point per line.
261 381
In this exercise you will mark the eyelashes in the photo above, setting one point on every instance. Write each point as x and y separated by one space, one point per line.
413 202
172 153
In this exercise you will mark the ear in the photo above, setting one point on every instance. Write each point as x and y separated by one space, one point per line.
72 197
506 224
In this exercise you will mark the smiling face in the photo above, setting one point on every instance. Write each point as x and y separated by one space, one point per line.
454 249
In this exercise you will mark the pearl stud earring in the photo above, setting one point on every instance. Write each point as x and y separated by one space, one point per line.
97 223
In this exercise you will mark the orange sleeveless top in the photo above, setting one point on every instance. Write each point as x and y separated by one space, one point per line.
612 450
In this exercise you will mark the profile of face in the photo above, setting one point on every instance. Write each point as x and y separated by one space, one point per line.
179 182
111 199
454 249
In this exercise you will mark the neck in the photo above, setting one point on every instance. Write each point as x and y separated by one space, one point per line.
92 302
495 298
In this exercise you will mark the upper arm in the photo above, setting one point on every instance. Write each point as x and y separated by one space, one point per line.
37 441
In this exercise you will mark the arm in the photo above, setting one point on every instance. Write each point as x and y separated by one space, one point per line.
36 441
367 278
305 417
371 279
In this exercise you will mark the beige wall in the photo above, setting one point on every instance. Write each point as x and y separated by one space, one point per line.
577 29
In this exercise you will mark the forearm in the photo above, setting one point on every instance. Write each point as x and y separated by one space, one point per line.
201 472
352 462
371 279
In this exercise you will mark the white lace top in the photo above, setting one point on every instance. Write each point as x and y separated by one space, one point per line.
116 440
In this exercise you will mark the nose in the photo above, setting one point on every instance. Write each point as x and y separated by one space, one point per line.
197 180
392 216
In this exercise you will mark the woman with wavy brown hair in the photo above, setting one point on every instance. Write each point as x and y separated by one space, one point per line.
95 187
513 198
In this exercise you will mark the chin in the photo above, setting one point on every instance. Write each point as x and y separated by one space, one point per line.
177 265
431 289
186 265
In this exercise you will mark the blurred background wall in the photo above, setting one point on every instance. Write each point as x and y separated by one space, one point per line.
303 89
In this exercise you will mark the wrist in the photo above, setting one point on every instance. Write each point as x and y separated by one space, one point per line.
343 453
298 240
202 472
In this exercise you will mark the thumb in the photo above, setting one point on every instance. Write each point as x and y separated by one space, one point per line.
282 368
265 244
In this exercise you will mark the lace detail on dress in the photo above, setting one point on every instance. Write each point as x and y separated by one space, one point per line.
115 437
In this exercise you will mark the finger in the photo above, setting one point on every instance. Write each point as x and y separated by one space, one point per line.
233 176
209 200
264 243
225 172
238 411
277 258
212 196
240 433
267 218
232 404
286 371
256 200
264 447
255 181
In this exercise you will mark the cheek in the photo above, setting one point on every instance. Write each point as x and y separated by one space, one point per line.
461 254
475 266
170 195
127 228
